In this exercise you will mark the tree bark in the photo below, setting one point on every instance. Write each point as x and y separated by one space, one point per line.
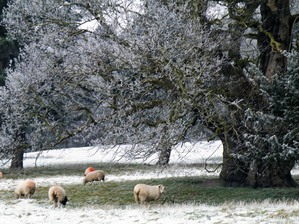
271 175
17 158
233 172
164 148
164 156
18 152
274 36
236 173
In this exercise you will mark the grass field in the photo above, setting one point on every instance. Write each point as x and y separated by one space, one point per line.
193 195
180 190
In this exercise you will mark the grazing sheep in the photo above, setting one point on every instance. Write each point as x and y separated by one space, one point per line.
96 175
145 193
57 194
88 170
25 188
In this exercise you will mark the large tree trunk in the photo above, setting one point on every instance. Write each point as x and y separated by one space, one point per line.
271 175
18 153
17 159
164 148
235 173
164 156
273 37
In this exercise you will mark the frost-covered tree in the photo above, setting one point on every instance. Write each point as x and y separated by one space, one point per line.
157 75
39 95
269 25
272 134
129 80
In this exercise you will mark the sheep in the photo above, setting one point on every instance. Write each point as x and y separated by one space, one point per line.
96 175
25 188
88 170
57 194
145 193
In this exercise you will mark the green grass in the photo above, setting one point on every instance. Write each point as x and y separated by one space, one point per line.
179 190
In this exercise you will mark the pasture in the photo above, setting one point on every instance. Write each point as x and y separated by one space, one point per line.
192 195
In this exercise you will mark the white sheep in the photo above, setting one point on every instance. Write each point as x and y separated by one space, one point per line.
25 188
145 193
57 194
96 175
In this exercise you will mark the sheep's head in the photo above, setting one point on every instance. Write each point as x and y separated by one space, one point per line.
161 188
64 201
84 181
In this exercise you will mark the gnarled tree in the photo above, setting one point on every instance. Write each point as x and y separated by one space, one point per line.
156 75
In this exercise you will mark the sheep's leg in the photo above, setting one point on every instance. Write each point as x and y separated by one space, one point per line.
136 198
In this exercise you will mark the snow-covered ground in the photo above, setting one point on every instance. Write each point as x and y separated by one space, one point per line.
29 211
186 153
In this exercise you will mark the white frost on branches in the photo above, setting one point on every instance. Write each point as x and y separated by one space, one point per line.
140 69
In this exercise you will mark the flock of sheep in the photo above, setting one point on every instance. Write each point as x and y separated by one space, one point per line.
142 192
